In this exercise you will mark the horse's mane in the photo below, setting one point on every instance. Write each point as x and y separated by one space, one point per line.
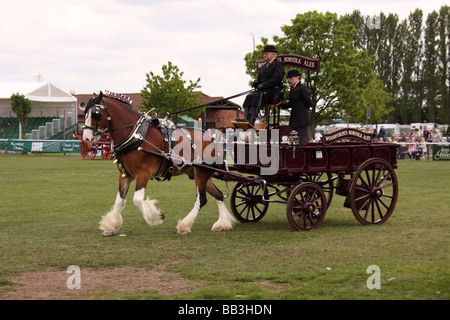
115 96
120 98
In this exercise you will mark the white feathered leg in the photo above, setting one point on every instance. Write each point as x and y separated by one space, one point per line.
112 221
184 226
226 220
152 215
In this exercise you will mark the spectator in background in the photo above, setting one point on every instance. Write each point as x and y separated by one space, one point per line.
412 147
382 134
415 134
427 138
374 135
421 149
426 134
437 135
318 136
402 141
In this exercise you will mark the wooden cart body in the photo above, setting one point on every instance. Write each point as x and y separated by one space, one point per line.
346 163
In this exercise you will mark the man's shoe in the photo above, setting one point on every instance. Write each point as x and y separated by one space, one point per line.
242 120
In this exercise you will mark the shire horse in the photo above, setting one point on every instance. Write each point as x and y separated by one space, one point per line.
142 153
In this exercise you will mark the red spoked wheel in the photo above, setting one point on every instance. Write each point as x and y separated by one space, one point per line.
374 192
106 153
247 201
306 206
88 152
325 181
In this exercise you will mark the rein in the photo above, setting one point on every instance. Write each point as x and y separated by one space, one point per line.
208 103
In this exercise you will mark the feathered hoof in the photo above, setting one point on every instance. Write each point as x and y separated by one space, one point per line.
221 227
183 228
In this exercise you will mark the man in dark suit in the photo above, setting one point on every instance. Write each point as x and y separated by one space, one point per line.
299 102
268 83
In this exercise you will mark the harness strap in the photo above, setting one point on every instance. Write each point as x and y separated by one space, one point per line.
135 138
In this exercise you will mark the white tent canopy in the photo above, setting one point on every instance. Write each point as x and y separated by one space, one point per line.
48 100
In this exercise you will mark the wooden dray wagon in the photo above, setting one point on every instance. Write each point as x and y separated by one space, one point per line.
346 163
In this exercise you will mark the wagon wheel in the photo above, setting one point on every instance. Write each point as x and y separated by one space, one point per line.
106 153
306 206
88 152
247 202
374 191
327 185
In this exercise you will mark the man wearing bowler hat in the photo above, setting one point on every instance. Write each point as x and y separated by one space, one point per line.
268 83
299 102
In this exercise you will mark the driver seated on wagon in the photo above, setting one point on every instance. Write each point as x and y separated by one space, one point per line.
268 84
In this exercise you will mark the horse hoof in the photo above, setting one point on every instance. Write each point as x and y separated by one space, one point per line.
182 228
107 233
183 231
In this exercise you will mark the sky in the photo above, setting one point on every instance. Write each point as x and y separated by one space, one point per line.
94 45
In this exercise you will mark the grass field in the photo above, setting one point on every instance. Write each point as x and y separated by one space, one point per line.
50 206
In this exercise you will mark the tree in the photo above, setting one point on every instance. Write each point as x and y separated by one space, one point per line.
430 67
338 89
377 99
22 107
169 93
412 61
383 39
444 66
413 67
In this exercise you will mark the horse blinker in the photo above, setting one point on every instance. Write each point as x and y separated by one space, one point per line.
97 112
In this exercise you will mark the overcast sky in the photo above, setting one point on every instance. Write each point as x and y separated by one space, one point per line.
110 45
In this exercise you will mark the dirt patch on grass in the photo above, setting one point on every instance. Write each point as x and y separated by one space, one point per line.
54 285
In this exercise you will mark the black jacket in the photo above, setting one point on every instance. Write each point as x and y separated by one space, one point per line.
299 102
270 75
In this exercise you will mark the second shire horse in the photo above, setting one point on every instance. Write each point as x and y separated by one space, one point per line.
144 149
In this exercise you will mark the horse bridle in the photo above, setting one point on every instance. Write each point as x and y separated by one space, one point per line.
97 115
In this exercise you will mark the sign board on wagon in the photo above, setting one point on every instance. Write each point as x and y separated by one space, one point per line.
295 60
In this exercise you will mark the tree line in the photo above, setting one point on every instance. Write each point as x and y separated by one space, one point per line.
412 61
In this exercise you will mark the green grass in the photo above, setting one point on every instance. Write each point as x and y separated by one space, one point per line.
50 206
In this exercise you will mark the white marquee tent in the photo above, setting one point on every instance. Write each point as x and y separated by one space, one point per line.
48 100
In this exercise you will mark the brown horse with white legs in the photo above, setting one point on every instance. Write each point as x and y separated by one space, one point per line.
148 148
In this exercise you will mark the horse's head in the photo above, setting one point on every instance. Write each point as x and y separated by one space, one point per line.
96 118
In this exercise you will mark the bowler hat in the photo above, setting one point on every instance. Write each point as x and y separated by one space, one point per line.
270 48
293 73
